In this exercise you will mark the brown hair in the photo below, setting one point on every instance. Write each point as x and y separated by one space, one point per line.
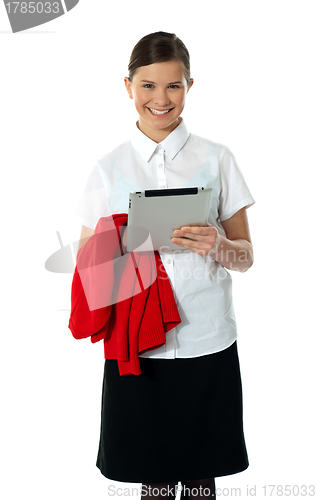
159 47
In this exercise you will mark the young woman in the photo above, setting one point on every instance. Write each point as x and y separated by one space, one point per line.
181 418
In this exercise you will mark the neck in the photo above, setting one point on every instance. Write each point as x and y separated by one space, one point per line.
157 135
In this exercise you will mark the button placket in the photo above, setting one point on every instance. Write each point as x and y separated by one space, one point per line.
160 168
170 345
167 260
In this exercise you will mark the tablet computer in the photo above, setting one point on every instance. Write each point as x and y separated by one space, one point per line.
155 213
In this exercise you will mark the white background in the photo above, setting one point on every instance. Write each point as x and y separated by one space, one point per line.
63 106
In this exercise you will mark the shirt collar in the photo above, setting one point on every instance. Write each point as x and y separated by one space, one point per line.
171 145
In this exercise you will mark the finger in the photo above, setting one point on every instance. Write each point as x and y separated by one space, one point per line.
189 235
182 242
194 245
191 230
179 234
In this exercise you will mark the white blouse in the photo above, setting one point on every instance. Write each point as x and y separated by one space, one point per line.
202 287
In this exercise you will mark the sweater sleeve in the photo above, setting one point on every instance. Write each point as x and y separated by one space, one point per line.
171 317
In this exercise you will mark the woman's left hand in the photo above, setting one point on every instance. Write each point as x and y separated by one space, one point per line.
204 239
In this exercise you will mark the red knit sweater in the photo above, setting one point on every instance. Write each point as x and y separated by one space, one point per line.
124 299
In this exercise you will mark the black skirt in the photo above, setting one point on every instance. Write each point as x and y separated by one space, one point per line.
181 419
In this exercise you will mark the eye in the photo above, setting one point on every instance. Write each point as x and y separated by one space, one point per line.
175 86
147 85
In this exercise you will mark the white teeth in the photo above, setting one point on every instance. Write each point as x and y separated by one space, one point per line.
159 112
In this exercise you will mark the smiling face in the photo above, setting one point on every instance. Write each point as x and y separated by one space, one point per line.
159 91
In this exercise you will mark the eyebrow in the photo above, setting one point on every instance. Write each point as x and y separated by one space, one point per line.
149 81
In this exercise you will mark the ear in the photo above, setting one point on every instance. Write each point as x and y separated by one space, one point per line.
128 86
190 84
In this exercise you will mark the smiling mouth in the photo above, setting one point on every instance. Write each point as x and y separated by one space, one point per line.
157 112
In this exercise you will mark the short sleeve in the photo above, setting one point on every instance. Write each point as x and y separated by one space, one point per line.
94 201
234 193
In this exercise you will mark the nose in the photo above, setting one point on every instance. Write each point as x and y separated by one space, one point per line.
160 97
